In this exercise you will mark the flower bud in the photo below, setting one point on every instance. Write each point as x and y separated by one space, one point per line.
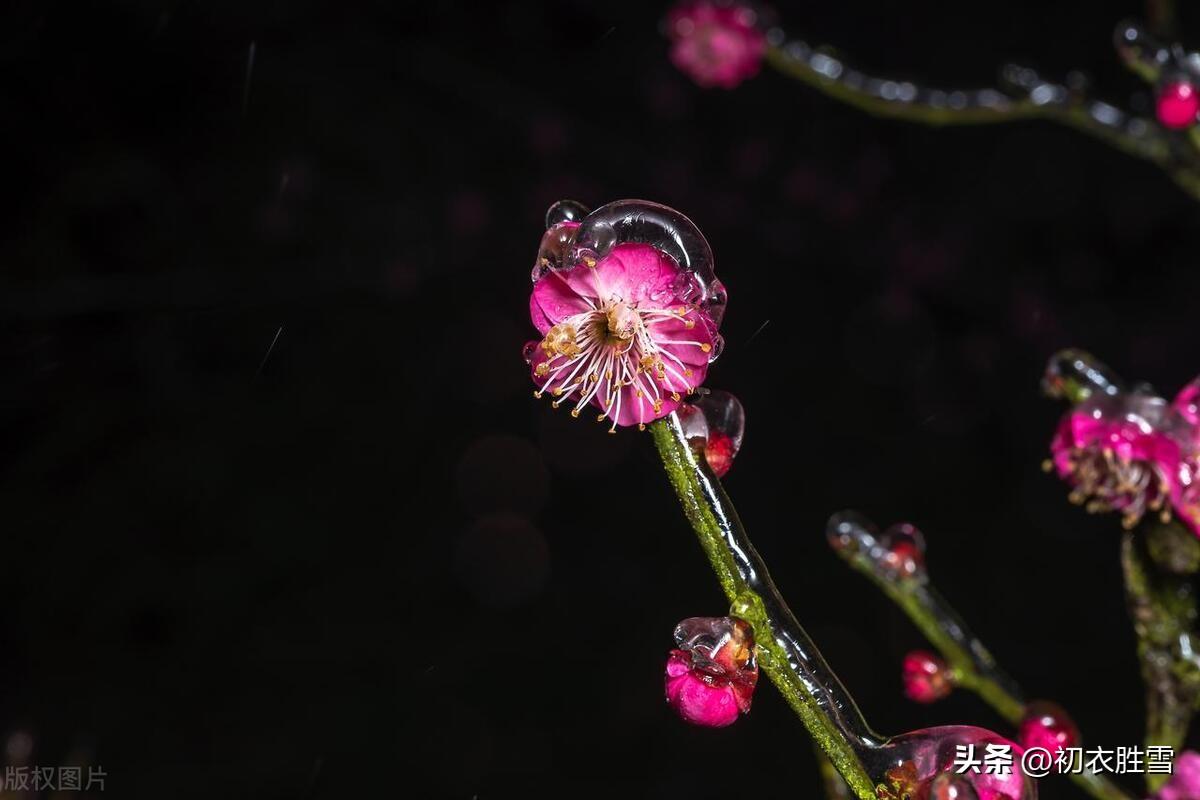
1047 726
926 677
711 673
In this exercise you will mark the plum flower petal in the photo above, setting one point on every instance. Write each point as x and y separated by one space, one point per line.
1185 779
1134 453
696 701
716 45
623 329
711 675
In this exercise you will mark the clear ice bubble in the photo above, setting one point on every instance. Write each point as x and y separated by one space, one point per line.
913 765
896 554
642 221
902 550
694 424
715 423
576 236
1077 375
724 414
554 249
948 786
722 647
565 211
718 347
1187 402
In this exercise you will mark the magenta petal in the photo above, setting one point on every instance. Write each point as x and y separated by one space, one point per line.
553 300
697 702
1187 402
635 410
676 330
637 273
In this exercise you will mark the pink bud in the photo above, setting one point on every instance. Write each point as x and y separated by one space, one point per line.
1177 105
715 423
710 676
1047 726
926 677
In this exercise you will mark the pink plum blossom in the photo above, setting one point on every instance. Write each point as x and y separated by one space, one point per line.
618 335
715 44
1185 779
1133 453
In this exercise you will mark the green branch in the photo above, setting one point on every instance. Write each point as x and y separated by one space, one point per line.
1163 609
972 665
785 652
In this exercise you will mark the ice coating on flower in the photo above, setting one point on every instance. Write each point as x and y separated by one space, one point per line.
1187 402
911 765
926 677
712 672
627 308
1076 375
1048 727
1185 778
1133 453
897 554
715 424
716 44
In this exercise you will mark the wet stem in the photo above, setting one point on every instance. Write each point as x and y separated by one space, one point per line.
1163 610
711 513
707 509
930 613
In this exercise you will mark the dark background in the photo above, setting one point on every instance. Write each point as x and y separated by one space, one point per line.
365 561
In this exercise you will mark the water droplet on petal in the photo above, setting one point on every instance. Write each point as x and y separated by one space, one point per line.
528 351
565 211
